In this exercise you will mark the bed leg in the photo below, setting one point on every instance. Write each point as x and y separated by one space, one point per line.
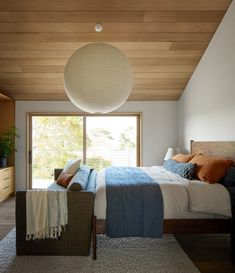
232 236
94 236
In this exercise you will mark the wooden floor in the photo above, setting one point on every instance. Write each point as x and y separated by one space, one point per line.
7 216
210 253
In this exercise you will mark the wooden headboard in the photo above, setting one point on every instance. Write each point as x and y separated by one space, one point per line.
225 149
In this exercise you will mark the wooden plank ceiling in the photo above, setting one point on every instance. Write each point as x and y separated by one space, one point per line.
163 40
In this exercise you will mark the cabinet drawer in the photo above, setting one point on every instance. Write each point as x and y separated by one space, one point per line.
5 192
5 182
6 178
5 173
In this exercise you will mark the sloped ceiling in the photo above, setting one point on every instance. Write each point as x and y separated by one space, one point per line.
163 40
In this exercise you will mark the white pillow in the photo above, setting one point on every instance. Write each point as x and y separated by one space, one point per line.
72 166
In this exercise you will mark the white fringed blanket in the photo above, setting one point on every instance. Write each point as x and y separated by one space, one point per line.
46 214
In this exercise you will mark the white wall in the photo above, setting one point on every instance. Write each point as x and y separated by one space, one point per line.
160 129
207 107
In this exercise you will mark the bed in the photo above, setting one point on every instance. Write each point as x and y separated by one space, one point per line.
180 213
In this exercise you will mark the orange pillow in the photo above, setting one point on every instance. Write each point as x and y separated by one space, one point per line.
64 179
210 169
182 158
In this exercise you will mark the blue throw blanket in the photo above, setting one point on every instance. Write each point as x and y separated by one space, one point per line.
134 203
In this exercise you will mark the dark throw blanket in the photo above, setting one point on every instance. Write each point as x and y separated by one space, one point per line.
134 203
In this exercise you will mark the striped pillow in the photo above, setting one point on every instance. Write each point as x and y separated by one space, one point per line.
80 179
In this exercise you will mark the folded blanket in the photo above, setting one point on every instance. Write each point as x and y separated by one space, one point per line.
134 203
208 198
46 214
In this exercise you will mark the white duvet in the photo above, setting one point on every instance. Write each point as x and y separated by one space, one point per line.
182 198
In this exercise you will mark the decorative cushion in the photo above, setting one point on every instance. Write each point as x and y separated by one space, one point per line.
229 179
80 179
64 179
182 158
186 170
72 166
210 169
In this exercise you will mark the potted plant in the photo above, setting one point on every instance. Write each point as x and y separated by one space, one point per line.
7 145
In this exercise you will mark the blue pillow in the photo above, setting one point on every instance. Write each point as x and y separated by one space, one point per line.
229 179
80 179
186 170
91 184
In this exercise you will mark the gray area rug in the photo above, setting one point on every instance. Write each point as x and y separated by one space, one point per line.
114 255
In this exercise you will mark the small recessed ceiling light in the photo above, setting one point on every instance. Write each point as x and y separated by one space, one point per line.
98 27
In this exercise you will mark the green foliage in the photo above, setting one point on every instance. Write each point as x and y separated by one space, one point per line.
56 139
127 139
100 137
7 142
98 162
63 132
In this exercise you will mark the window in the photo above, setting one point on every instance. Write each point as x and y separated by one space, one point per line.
111 141
55 139
100 141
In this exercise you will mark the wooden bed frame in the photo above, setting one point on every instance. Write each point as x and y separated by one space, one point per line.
191 226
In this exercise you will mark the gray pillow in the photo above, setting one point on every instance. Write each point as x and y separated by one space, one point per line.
186 170
80 179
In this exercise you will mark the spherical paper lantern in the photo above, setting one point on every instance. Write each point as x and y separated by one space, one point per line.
98 78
